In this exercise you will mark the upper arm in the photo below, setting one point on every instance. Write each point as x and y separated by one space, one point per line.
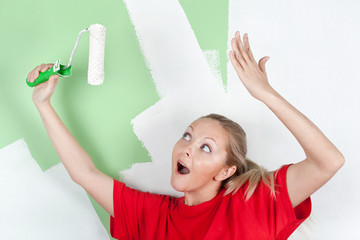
100 187
306 177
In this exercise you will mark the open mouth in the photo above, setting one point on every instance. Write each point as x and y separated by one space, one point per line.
182 169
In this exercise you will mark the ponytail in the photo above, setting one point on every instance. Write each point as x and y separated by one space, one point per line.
252 173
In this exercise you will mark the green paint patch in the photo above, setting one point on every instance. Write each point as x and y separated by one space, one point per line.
98 117
209 20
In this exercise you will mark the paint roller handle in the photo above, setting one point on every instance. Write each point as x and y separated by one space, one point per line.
63 71
43 77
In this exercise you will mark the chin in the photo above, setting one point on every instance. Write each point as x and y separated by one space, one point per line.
176 185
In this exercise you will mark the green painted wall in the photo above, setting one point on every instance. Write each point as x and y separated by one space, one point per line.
35 32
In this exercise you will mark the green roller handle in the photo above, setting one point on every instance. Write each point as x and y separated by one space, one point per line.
44 76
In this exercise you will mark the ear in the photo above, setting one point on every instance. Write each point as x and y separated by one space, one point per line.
225 173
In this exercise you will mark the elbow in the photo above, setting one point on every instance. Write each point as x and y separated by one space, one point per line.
340 161
82 177
75 178
331 163
337 162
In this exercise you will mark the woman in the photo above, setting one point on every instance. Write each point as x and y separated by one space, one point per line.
225 195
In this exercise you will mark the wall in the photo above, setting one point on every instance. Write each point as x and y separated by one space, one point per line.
165 63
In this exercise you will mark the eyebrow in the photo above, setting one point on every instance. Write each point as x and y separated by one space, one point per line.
205 137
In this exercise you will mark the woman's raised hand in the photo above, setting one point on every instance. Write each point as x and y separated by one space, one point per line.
43 92
252 74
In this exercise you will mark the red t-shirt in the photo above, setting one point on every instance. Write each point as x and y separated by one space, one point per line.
140 215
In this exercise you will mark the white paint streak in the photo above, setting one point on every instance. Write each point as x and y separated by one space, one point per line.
183 79
213 60
170 47
42 205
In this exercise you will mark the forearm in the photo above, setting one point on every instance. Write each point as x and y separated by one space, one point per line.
315 144
77 162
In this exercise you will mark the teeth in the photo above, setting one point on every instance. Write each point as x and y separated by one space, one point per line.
182 164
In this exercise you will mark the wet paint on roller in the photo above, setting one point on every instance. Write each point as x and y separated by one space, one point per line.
96 54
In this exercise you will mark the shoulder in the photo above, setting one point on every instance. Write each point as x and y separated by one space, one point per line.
281 172
276 180
121 190
280 175
134 208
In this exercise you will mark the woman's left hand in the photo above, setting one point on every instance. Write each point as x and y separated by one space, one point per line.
252 74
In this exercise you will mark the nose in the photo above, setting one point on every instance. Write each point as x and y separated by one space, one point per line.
187 151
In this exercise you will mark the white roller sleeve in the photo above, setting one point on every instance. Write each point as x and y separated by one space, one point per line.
96 54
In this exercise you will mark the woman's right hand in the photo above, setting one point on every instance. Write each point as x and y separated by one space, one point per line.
43 92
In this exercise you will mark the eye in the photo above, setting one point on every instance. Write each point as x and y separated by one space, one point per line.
186 136
206 148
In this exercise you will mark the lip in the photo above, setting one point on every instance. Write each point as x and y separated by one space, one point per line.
181 162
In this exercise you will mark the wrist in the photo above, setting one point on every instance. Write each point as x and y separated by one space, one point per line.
42 105
272 99
268 95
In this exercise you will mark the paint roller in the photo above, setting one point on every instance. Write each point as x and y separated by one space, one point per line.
96 59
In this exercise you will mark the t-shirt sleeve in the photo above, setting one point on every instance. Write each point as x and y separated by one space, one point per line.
124 223
135 212
287 218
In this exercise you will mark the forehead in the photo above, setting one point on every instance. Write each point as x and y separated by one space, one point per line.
210 128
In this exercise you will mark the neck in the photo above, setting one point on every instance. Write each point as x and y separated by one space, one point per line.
203 195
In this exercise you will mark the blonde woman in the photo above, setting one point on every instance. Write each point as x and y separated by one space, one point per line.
226 196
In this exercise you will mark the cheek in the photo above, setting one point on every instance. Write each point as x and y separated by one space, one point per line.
207 165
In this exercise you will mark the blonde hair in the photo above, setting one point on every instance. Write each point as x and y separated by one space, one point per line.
246 170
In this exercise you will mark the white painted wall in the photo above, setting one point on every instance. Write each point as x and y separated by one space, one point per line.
42 205
314 62
314 50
